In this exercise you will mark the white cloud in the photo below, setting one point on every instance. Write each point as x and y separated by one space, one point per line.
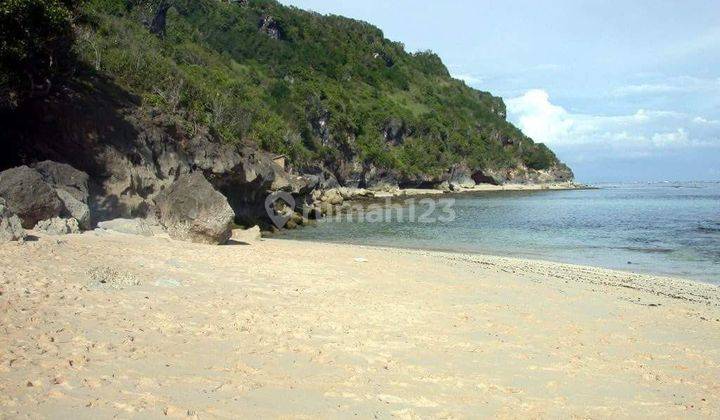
540 119
701 120
643 133
675 138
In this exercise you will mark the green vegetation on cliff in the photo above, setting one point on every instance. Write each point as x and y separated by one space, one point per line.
317 88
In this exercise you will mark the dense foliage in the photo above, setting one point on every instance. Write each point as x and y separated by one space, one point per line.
317 88
35 45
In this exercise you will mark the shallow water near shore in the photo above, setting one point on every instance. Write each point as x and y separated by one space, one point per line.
660 228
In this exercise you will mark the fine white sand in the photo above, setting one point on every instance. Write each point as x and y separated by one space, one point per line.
295 329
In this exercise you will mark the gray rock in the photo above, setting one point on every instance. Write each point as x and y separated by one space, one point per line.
58 226
71 186
10 225
64 177
75 208
270 27
192 210
443 186
488 176
29 196
377 179
129 226
460 177
333 197
247 235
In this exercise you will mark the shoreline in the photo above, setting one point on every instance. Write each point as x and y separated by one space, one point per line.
470 253
418 192
340 199
188 330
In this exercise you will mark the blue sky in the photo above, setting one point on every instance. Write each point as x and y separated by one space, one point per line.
621 90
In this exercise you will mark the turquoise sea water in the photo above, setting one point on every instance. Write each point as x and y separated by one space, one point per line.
663 228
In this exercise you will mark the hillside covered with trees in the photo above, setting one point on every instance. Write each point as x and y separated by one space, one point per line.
326 91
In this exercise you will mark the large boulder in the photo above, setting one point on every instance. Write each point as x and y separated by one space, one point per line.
192 210
460 177
377 179
71 186
29 196
10 225
64 177
333 197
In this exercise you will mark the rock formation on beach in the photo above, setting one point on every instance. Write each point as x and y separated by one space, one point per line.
47 190
28 196
191 209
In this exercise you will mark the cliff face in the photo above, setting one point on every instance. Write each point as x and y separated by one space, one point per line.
226 87
131 156
330 93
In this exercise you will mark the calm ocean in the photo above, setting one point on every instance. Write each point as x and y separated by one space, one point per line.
661 228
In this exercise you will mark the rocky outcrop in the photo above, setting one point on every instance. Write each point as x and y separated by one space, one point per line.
58 226
130 157
270 27
71 186
10 225
523 175
460 177
47 190
486 177
192 210
394 131
125 157
28 196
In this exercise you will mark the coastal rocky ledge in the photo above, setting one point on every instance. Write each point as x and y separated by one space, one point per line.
114 162
58 199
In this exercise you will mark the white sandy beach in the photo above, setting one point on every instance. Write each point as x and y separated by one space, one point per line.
409 192
295 329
